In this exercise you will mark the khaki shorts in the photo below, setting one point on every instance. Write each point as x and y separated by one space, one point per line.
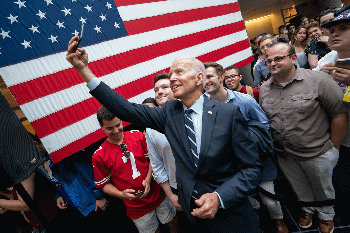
148 223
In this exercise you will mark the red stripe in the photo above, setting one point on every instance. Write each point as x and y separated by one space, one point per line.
77 146
59 81
89 107
161 21
133 2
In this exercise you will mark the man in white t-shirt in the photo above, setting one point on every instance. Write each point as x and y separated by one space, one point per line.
339 41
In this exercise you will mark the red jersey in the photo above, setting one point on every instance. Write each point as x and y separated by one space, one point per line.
255 92
110 165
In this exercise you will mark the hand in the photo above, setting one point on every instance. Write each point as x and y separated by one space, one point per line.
174 199
101 204
339 74
147 184
128 194
79 59
61 203
208 206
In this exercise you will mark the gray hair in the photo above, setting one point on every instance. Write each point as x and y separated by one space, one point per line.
197 66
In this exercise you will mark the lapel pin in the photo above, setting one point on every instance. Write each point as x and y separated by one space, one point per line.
210 112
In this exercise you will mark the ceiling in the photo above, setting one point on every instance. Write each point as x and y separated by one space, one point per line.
256 8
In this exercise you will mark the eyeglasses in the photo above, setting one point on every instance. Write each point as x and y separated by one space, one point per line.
276 59
124 147
234 77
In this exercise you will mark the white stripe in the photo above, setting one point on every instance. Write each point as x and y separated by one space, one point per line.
194 154
190 129
78 93
22 72
139 11
104 180
192 141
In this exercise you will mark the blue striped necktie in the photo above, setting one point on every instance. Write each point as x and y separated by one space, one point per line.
191 135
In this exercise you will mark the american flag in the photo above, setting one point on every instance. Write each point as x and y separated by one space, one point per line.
128 42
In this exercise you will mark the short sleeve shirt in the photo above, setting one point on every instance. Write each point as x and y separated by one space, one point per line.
299 112
110 165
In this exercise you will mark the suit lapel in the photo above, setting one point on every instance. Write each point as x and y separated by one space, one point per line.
179 120
208 122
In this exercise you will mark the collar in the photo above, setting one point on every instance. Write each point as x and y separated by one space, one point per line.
296 76
197 106
230 95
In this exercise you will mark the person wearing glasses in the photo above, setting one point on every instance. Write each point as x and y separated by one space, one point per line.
122 169
232 80
308 123
252 112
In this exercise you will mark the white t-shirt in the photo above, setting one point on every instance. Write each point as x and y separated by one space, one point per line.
332 57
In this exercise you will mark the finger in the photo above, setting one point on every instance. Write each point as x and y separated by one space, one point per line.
74 38
129 191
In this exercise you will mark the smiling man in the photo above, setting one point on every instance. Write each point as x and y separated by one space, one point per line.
210 133
299 104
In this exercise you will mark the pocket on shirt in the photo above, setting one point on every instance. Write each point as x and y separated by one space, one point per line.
304 102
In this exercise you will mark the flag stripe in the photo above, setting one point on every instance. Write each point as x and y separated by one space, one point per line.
134 12
152 23
79 92
57 80
133 2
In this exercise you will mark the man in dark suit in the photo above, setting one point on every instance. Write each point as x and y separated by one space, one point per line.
216 171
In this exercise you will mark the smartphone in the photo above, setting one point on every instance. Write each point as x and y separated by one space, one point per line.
80 38
343 63
139 193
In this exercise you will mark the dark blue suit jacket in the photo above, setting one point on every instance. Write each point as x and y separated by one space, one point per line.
228 161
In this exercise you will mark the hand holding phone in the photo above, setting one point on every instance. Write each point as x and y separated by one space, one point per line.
80 38
139 193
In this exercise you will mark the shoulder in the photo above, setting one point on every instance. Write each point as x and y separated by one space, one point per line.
101 151
134 135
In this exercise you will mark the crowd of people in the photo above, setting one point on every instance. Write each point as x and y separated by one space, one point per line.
209 141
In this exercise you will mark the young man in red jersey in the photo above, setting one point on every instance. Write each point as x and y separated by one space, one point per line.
122 169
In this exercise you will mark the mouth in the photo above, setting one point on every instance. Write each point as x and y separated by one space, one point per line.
207 86
335 41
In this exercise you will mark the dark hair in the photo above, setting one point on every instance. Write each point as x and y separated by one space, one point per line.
219 69
291 49
159 77
232 68
289 25
104 114
311 25
150 100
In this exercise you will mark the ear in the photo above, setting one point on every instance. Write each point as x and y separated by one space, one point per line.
200 79
294 58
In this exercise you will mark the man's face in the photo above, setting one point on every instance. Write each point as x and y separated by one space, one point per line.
232 79
314 33
325 19
213 81
183 79
291 29
113 129
285 64
339 39
162 91
264 45
284 32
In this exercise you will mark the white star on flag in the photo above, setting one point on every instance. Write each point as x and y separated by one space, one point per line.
26 44
4 34
108 5
34 29
103 17
89 8
82 20
12 18
20 4
53 38
66 11
41 15
60 25
75 33
116 25
48 2
97 29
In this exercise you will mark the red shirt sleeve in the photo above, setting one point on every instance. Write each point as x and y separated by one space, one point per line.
101 173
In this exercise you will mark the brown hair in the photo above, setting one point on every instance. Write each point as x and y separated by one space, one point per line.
219 69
